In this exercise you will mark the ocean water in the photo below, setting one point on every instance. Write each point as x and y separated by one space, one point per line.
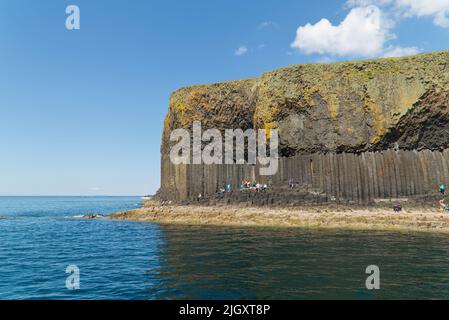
41 236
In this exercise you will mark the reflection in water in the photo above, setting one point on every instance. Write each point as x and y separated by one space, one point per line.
256 263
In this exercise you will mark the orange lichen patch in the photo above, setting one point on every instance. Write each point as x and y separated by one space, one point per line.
333 106
194 95
215 105
167 121
379 121
268 127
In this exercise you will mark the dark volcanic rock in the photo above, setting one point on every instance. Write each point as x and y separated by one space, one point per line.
341 127
342 107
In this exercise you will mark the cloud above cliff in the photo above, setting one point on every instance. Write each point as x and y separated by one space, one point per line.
438 10
391 52
241 51
363 32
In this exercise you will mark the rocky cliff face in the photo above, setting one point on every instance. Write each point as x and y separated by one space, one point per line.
351 107
342 107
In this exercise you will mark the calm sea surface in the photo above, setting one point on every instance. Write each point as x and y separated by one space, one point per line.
41 236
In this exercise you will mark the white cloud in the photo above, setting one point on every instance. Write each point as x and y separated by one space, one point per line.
267 24
392 52
241 51
362 33
436 9
365 32
364 3
325 60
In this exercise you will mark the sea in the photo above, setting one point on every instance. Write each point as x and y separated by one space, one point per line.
48 251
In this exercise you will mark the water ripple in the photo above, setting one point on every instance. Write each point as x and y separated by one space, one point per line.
125 260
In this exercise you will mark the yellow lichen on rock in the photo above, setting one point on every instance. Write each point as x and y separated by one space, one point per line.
340 106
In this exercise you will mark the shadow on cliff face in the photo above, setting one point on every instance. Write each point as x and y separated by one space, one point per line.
424 126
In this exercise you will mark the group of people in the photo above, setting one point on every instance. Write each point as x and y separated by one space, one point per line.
244 185
441 204
252 185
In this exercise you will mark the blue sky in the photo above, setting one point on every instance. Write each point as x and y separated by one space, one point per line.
81 111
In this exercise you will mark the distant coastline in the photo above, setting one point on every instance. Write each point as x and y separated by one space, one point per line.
425 219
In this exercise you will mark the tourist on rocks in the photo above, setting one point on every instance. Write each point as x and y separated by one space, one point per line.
291 184
443 189
443 205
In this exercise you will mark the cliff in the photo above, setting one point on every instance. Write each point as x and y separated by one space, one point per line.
342 109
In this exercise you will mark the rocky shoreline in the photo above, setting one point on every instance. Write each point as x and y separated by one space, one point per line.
331 216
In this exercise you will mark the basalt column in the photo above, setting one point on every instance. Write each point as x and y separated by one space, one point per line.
350 132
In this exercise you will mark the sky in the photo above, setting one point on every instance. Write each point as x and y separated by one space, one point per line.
81 111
